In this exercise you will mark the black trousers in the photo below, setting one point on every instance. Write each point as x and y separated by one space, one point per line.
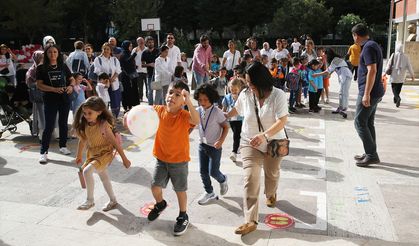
355 71
314 98
236 127
130 96
142 81
396 88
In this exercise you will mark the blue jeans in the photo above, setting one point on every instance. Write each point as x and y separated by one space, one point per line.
116 98
364 125
149 90
209 165
200 79
160 98
344 93
50 110
293 97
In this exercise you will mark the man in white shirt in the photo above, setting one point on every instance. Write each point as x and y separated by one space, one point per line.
267 51
174 53
296 48
142 71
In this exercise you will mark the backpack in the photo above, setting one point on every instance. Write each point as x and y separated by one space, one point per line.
91 73
293 80
77 66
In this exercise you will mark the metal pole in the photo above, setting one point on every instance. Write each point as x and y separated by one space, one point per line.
390 28
158 38
404 22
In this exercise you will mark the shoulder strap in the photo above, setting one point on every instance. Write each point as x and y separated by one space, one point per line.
100 60
257 115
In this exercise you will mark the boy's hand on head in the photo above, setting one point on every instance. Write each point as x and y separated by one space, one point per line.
185 94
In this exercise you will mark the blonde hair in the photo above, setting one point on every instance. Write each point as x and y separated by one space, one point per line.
106 44
238 82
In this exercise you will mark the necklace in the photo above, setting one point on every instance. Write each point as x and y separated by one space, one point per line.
53 66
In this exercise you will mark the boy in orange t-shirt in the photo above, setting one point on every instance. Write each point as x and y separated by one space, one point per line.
171 148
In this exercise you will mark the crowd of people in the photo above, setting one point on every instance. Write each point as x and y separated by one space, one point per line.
252 94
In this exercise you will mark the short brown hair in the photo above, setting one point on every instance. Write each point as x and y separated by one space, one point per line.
78 45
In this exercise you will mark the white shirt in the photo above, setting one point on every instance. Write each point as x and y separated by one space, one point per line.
9 62
102 92
311 56
295 47
269 53
162 70
280 54
274 108
138 62
230 64
110 66
174 58
341 68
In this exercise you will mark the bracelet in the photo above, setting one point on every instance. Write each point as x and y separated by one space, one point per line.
266 137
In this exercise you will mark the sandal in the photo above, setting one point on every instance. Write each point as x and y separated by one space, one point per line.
85 206
246 228
111 205
270 202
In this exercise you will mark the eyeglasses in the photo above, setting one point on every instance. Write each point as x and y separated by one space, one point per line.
170 38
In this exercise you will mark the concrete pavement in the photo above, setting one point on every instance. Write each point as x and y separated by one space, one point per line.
332 201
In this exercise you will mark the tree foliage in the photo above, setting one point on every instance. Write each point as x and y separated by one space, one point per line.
345 24
296 17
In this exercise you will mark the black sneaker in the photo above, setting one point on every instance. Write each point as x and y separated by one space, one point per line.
181 225
156 211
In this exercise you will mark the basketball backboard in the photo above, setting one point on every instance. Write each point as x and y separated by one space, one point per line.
150 24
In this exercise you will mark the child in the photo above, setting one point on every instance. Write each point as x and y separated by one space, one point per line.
265 60
184 63
178 75
315 87
220 84
274 72
78 91
213 130
93 124
303 88
282 72
215 65
248 58
171 149
102 88
293 83
321 56
235 86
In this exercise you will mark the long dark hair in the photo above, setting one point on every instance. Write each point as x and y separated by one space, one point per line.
47 62
96 104
260 77
330 53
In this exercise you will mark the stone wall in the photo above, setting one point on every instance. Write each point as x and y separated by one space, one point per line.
412 51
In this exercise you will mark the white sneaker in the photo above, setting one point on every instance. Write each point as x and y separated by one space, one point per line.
43 159
207 197
327 101
65 151
224 187
233 156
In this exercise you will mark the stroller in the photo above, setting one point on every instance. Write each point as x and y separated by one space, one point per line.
10 116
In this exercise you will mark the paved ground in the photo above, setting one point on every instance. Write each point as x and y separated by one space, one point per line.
331 200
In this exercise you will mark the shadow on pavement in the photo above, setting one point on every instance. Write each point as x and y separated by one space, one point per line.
4 170
160 230
397 168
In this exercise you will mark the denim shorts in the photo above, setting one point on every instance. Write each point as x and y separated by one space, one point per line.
176 172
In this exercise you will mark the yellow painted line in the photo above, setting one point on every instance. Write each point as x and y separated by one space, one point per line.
415 96
135 145
409 91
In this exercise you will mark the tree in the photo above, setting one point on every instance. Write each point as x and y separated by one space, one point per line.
296 17
250 14
345 24
30 17
127 15
182 15
215 15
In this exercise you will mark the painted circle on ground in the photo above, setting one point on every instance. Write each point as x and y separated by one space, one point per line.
279 221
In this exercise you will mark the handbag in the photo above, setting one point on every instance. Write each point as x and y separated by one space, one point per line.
155 85
389 70
4 71
133 75
35 94
276 147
